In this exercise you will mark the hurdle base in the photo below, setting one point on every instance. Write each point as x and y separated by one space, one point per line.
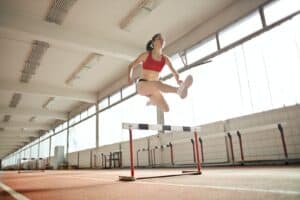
169 175
191 172
126 178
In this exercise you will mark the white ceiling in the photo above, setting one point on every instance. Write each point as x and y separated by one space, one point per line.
90 26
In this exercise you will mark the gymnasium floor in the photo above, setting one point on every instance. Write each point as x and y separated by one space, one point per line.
271 183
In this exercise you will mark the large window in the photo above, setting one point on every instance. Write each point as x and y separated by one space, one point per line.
240 29
258 75
83 135
115 98
44 149
103 103
201 50
280 9
133 110
59 139
129 90
34 151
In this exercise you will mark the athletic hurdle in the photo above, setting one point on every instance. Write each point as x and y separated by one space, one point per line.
30 160
160 127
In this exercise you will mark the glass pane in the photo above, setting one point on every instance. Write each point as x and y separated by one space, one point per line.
240 29
84 115
201 50
103 104
46 135
34 151
44 149
92 110
83 135
58 128
128 90
77 118
279 9
65 125
72 121
115 98
176 62
110 120
59 140
27 153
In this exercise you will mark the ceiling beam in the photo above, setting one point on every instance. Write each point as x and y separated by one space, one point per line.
18 25
11 143
11 133
12 146
48 90
7 150
15 139
26 125
33 112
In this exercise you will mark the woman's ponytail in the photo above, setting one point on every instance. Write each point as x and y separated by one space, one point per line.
149 46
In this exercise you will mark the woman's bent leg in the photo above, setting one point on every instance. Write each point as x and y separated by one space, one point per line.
158 85
148 89
158 100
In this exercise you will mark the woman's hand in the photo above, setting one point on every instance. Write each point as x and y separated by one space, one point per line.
177 79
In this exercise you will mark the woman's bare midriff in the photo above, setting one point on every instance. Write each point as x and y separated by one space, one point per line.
149 75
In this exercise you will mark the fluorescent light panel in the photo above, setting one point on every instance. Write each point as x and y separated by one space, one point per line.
142 9
58 10
91 61
48 102
38 49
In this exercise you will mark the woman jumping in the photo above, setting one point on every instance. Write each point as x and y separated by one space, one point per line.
149 84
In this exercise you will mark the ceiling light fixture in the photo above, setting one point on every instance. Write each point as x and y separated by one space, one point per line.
38 49
32 119
48 102
58 10
143 9
90 62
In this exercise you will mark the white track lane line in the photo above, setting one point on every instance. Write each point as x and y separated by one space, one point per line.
285 192
13 193
86 178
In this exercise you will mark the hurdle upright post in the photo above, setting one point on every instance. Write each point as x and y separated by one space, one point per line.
131 153
197 152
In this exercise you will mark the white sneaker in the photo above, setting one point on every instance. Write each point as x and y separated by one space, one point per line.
183 88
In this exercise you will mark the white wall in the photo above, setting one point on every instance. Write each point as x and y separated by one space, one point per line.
257 145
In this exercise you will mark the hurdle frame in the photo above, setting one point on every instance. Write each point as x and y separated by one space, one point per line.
159 127
37 165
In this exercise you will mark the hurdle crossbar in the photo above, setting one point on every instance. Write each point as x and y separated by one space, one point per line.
159 127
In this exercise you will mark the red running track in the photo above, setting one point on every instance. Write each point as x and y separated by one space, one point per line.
276 183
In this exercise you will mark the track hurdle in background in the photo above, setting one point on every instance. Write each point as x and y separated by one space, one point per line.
36 168
159 127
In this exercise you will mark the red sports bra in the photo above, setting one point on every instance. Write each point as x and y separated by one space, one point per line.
154 65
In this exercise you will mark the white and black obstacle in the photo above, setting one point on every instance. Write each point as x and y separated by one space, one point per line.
160 127
37 165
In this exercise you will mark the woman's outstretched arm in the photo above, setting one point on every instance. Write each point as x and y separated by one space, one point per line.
174 72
